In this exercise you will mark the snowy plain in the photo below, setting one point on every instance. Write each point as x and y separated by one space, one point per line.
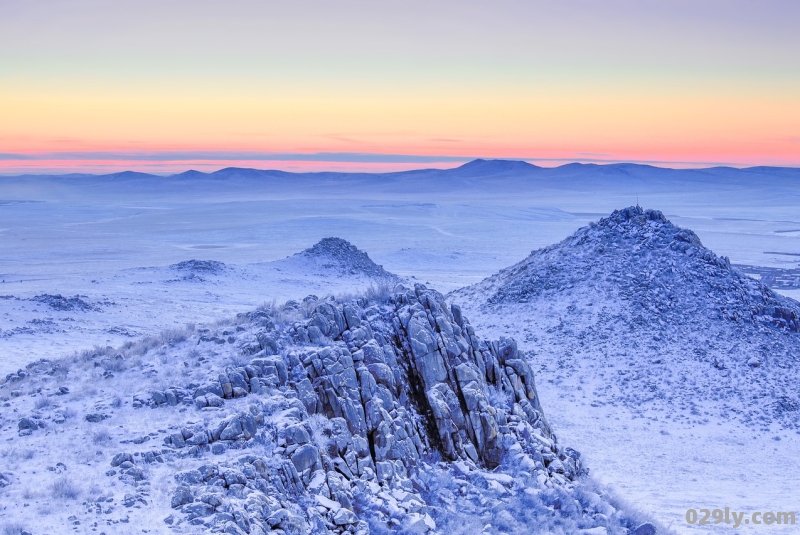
112 242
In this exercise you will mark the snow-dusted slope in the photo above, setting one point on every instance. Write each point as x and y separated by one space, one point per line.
645 294
46 317
664 364
325 417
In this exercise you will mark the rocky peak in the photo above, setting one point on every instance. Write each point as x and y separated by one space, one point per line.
367 410
641 256
353 417
342 255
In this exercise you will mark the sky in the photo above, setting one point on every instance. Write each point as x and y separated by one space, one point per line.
165 86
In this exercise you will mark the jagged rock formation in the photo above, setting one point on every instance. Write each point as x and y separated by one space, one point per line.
357 418
343 256
679 329
394 389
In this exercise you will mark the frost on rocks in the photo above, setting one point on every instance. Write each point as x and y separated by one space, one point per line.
397 417
64 304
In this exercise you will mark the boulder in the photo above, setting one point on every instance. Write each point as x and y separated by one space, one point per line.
181 496
120 458
305 457
344 517
645 529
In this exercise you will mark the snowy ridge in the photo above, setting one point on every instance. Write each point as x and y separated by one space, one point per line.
356 417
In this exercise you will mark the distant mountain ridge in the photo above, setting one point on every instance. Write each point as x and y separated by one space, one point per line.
474 168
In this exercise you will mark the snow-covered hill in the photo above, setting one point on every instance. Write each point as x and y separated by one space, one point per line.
333 417
101 261
658 358
674 322
45 316
340 258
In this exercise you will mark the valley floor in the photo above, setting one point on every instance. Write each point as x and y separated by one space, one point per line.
666 468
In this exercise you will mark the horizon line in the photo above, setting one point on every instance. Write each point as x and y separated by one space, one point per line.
219 160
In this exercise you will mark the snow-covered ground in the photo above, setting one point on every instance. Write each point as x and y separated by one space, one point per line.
117 244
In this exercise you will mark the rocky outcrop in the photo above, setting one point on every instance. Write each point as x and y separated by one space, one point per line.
356 420
345 258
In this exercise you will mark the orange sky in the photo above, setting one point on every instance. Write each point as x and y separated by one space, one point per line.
95 86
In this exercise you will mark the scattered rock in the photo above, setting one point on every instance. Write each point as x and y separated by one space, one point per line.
645 529
64 304
181 496
343 517
199 266
120 458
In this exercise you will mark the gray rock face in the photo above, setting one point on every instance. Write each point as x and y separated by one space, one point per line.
297 434
342 517
366 427
305 458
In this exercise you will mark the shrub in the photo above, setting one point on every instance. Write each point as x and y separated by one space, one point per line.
173 336
379 293
64 488
321 433
101 437
43 403
269 307
499 398
97 351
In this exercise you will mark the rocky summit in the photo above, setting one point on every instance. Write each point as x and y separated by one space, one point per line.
678 329
643 258
344 257
387 416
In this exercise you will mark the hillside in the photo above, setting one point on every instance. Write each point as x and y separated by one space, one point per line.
339 257
672 371
112 308
333 417
676 326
